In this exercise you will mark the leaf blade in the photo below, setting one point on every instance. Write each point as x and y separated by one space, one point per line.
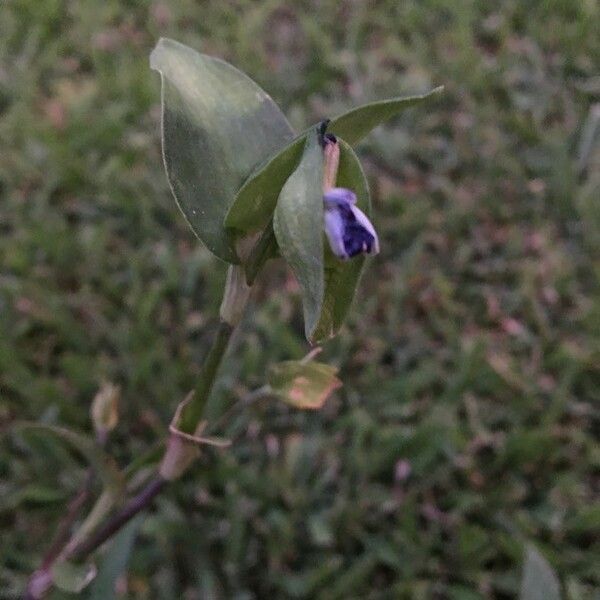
217 125
298 226
302 384
255 201
355 124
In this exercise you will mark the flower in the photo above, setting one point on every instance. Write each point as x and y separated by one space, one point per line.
348 229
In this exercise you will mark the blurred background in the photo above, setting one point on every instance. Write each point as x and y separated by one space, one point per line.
471 360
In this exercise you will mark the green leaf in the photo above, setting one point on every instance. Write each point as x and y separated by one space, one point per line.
355 124
342 277
303 384
103 464
217 126
70 577
539 580
255 202
115 562
298 226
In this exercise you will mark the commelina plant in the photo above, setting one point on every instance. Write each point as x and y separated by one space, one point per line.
252 190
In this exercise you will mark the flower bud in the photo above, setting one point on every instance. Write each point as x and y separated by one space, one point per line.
331 151
105 409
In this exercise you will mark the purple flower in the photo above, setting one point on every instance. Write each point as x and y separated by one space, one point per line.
348 229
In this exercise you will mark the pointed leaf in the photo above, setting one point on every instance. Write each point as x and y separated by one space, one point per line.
255 202
303 384
70 577
355 124
298 226
96 457
115 562
539 580
342 277
217 126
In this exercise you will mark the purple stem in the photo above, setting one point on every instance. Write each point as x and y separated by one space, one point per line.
132 508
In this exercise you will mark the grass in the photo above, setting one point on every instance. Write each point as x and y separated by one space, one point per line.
470 363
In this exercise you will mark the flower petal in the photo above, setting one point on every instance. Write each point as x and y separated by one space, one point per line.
364 221
334 229
339 197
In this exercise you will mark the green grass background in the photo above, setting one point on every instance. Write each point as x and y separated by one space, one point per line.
471 360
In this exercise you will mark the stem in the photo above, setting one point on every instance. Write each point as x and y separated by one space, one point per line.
189 419
234 300
192 412
132 508
235 297
41 579
64 528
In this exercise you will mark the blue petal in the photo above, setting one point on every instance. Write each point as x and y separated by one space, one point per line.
334 229
348 229
357 238
363 220
339 197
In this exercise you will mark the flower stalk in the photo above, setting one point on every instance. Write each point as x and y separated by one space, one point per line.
188 426
182 445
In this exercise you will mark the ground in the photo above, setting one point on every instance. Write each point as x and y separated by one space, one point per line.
470 362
